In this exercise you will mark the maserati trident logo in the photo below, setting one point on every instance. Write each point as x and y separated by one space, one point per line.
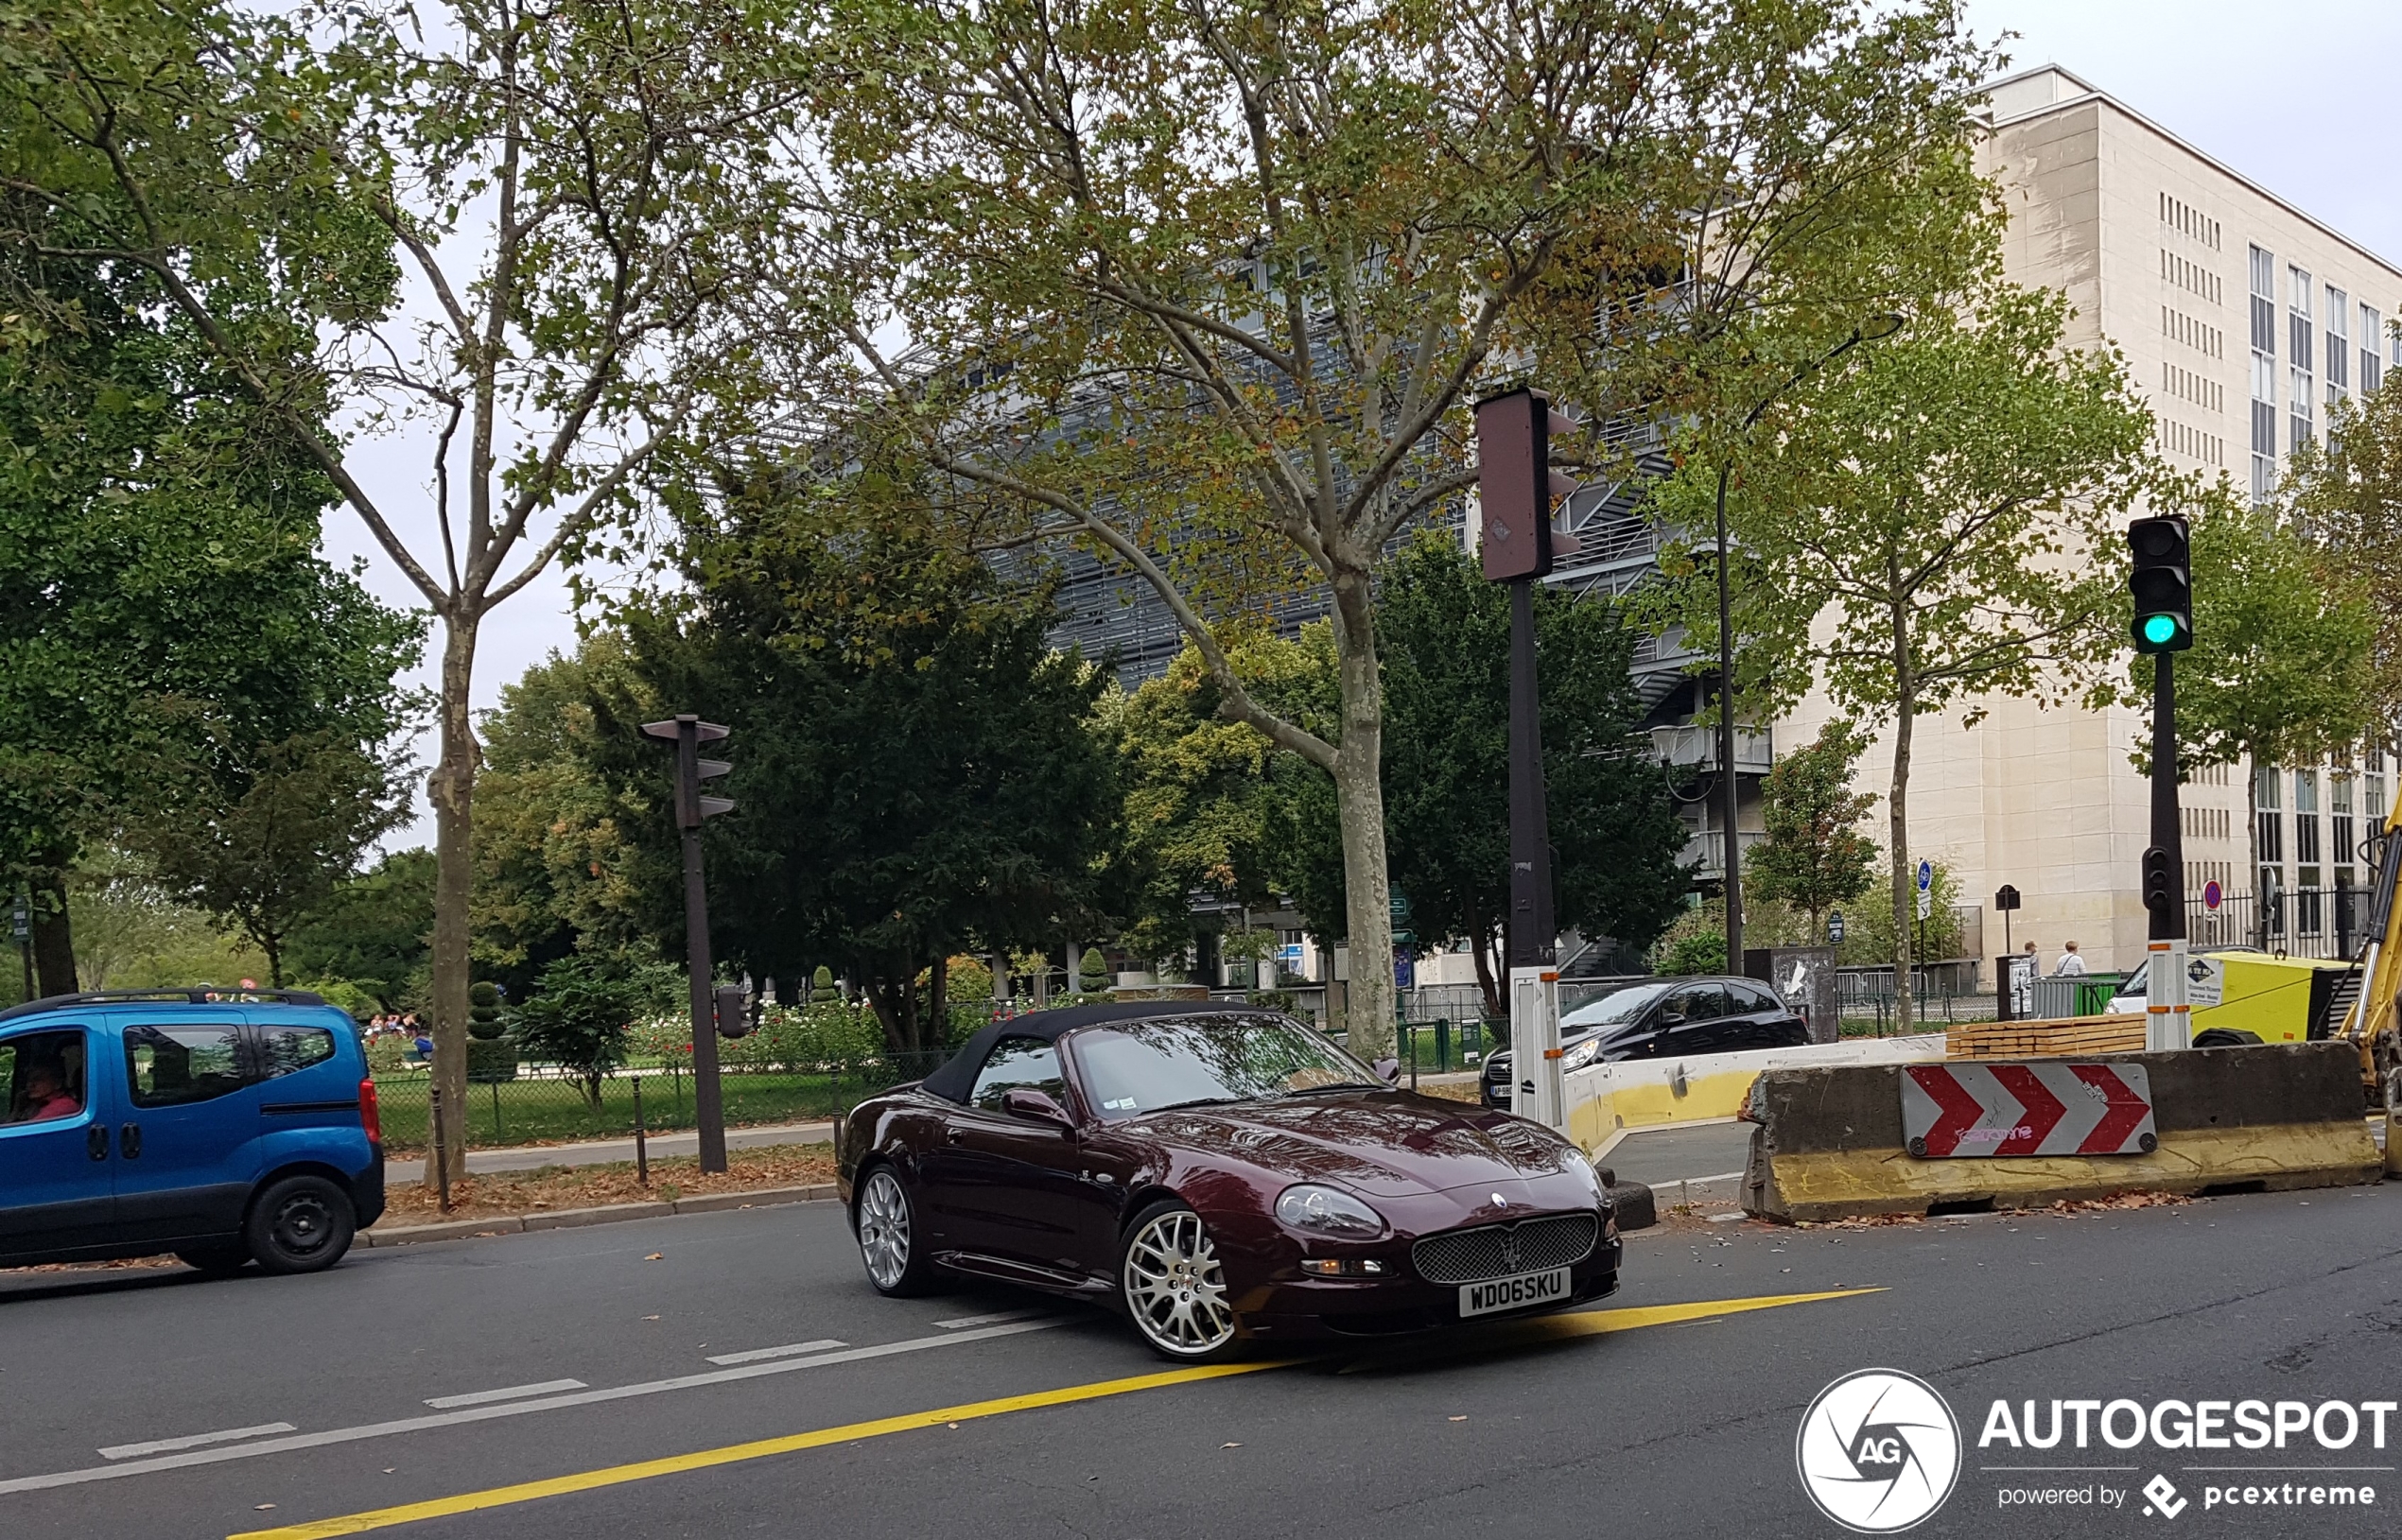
1878 1451
1510 1262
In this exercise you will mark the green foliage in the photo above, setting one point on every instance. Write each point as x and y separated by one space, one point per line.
2282 671
1815 856
1867 933
555 867
1234 280
1700 951
1203 812
821 987
373 930
483 1012
1093 970
583 1018
1932 522
913 771
1444 636
2345 496
266 845
970 980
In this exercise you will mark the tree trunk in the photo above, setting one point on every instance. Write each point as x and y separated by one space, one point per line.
451 789
938 1034
53 937
273 947
1898 830
1370 1012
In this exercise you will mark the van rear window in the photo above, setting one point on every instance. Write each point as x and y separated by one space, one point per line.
285 1050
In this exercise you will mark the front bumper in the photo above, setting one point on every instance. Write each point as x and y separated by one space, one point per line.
1292 1305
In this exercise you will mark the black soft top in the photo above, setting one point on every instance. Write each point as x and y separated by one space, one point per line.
957 1077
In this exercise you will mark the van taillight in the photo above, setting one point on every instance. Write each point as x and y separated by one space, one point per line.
371 1116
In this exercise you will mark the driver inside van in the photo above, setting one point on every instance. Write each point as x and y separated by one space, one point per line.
42 1094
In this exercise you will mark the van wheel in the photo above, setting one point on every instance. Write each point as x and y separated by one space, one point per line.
216 1261
2226 1037
301 1224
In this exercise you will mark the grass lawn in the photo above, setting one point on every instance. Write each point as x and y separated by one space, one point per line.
523 1112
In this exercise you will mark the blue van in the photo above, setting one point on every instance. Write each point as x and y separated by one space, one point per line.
223 1127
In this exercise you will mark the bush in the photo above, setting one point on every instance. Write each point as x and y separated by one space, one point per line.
1703 951
483 1012
388 1055
581 1018
820 988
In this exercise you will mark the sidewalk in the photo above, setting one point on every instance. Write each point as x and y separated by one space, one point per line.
608 1151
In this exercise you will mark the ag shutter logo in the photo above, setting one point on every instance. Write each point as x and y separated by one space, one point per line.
1878 1451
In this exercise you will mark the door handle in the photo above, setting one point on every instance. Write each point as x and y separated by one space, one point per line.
953 1136
95 1141
129 1141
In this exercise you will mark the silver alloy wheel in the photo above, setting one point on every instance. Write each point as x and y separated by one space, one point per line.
884 1228
1175 1286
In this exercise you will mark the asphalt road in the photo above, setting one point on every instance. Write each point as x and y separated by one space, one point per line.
1677 1422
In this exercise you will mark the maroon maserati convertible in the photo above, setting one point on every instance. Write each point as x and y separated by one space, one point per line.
1222 1173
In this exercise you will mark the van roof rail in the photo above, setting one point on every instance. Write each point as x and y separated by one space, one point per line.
198 994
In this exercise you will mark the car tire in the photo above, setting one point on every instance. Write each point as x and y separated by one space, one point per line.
2226 1037
1172 1286
884 1221
216 1261
301 1224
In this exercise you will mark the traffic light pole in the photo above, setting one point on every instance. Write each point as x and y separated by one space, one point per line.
709 1106
1534 959
2167 1012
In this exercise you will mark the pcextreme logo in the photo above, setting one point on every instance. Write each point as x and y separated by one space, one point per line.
1878 1451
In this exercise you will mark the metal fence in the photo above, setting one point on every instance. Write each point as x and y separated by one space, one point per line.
1940 992
2305 921
544 1104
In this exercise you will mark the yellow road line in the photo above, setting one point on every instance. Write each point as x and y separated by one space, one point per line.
1582 1323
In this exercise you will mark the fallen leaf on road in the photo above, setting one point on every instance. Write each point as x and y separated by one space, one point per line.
650 1318
1459 1419
262 1507
654 1256
1230 1446
950 1425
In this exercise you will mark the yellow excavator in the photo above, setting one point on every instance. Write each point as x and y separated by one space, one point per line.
2374 1021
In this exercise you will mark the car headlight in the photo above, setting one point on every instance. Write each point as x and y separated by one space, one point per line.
1581 1055
1327 1211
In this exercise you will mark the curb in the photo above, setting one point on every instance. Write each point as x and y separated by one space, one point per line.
571 1219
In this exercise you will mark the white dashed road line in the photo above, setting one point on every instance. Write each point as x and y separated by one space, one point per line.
512 1408
787 1351
994 1319
514 1392
192 1441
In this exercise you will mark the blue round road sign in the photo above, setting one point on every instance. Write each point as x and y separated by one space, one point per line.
2212 895
1925 875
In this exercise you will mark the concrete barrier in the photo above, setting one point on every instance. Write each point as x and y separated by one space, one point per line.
1608 1101
2269 1118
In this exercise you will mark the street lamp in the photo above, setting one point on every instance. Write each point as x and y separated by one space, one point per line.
1874 329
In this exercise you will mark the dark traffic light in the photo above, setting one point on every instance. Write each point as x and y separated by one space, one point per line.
733 1020
687 733
2161 582
1516 485
2160 888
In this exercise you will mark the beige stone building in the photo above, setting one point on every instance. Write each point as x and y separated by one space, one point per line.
2243 319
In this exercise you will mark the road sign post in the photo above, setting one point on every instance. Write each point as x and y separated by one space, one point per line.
2160 582
1515 489
687 733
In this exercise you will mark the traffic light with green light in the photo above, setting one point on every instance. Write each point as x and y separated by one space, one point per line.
2162 582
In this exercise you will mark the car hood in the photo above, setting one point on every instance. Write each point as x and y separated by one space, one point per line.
1383 1144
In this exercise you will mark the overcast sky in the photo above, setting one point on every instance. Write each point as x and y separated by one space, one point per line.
2299 95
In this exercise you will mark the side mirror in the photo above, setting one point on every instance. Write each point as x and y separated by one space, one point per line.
1388 1070
1672 1018
1036 1106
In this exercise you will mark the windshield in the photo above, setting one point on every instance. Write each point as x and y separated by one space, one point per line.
1614 1010
1138 1066
2135 981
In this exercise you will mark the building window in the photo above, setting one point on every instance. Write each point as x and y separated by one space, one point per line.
2371 374
2264 375
2373 797
2341 835
2338 345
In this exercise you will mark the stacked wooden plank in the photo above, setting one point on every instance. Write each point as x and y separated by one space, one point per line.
2044 1039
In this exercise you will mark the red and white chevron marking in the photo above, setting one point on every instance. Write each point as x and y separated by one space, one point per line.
1962 1111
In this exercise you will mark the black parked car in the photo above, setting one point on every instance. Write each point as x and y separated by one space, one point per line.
1667 1018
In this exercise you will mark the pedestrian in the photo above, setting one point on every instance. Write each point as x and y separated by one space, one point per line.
2070 965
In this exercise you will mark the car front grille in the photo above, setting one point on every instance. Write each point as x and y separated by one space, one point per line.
1499 1251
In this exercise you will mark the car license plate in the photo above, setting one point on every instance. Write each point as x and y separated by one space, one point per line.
1517 1293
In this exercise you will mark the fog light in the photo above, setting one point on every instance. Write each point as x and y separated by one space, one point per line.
1326 1266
